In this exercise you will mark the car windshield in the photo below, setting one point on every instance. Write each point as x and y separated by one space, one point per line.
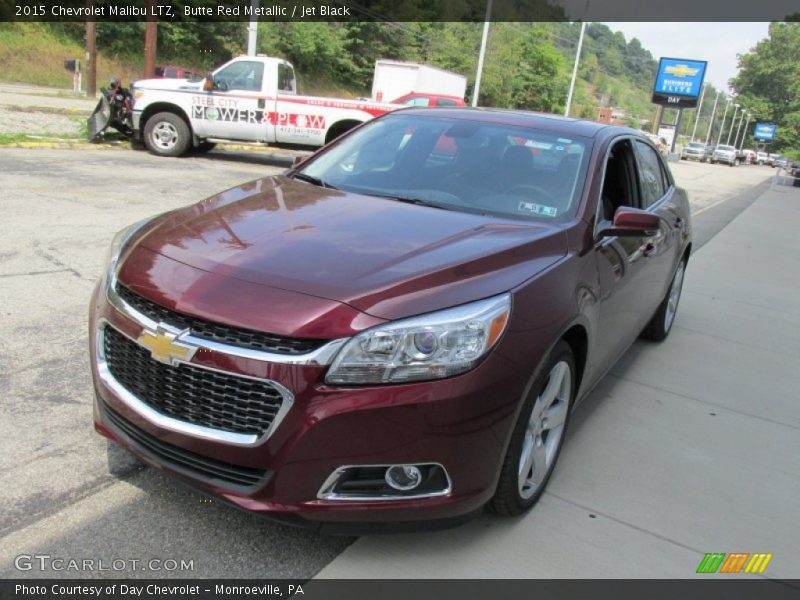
728 148
697 145
458 164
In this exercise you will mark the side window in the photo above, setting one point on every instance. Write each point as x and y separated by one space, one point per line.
286 81
445 102
651 175
171 72
242 75
619 180
416 101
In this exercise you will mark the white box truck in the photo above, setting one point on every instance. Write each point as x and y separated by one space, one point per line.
394 80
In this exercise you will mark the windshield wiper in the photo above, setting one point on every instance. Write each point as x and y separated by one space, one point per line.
310 179
411 200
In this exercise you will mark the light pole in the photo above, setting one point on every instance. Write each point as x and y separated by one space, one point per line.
711 120
699 108
575 69
722 126
482 54
730 131
744 133
738 129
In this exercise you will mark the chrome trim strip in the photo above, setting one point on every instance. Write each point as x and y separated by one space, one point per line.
326 491
322 356
176 425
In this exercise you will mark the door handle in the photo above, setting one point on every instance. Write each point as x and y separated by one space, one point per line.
649 249
679 223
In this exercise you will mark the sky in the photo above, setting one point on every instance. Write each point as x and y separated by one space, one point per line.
717 43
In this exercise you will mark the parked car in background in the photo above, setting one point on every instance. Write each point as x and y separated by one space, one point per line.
385 332
780 162
748 156
171 72
726 155
762 158
694 151
415 99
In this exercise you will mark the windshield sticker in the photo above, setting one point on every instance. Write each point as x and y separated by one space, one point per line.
531 208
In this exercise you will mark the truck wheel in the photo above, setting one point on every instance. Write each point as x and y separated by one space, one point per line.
166 134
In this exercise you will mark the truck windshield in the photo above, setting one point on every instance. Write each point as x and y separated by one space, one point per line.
459 164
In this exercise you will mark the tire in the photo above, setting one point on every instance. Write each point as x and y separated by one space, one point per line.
166 134
660 324
204 147
553 393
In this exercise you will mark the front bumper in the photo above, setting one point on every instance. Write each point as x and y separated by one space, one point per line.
462 423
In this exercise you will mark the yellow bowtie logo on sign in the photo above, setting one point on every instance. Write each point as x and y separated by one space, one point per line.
681 71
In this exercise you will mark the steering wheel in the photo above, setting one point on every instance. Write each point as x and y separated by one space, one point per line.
525 189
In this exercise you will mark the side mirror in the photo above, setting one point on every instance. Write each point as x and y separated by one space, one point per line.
632 222
211 84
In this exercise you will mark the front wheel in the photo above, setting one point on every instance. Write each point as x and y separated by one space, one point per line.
660 325
538 436
166 134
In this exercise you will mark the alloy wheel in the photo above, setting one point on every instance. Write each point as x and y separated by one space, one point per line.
544 430
674 296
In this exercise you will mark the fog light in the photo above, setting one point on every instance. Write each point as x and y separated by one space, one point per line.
403 477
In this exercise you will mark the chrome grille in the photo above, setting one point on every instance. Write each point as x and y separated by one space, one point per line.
192 394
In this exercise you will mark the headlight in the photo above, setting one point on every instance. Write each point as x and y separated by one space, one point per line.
432 346
121 239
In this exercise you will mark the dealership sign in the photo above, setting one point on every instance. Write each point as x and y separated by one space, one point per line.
679 82
764 131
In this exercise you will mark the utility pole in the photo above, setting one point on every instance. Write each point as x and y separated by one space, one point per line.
713 116
150 40
699 108
482 53
91 52
730 131
252 29
575 69
722 126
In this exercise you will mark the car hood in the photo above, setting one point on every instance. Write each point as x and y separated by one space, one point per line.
167 83
385 258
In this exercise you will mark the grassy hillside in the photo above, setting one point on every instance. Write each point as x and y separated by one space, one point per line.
33 53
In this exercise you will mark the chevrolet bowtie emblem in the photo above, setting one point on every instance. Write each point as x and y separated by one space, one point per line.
681 71
165 346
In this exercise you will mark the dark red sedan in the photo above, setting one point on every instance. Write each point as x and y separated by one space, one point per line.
389 333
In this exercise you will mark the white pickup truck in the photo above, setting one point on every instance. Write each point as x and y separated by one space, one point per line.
251 99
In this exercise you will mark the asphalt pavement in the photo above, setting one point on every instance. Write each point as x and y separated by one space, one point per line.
60 210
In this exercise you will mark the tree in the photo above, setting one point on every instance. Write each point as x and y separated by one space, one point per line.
768 83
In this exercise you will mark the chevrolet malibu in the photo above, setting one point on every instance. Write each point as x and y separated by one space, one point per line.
396 331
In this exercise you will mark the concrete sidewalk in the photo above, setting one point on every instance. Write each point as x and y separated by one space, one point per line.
687 447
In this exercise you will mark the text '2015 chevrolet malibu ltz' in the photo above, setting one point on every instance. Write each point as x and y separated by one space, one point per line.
397 330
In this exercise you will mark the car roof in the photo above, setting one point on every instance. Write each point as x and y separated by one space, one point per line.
535 120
